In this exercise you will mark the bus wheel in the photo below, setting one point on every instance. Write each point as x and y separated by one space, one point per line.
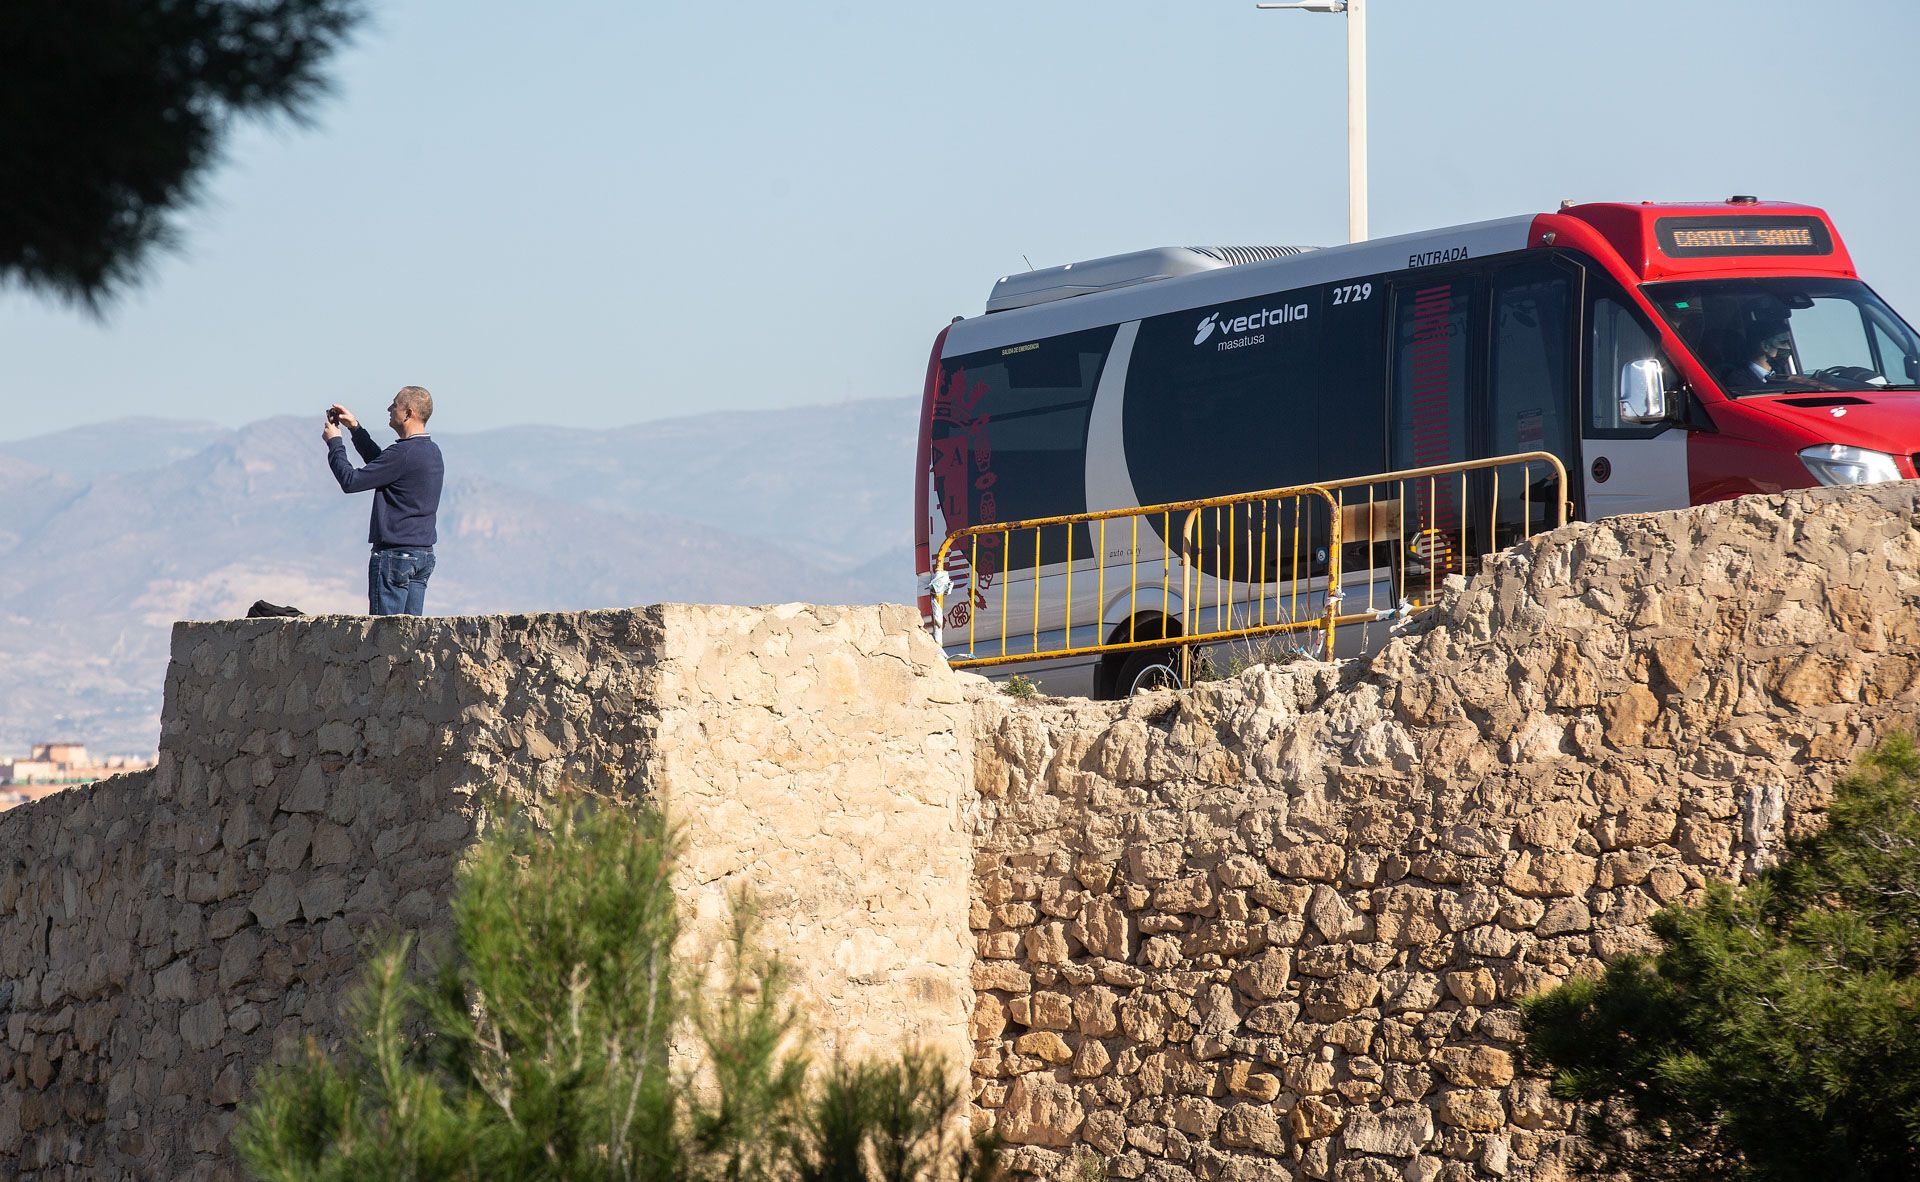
1152 670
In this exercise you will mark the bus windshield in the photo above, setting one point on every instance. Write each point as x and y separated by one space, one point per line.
1783 335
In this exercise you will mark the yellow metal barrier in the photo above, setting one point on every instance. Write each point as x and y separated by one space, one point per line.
1244 540
1435 536
1202 595
1252 564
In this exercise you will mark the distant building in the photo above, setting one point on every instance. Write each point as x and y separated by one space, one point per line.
56 766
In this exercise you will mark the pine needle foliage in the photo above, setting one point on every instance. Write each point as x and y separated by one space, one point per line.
112 112
539 1049
1776 1035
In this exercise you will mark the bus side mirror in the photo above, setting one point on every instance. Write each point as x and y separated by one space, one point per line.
1913 369
1643 392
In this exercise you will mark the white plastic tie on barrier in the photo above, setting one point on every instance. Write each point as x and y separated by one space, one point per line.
1398 615
938 584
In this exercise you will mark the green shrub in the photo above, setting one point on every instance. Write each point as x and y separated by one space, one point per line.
1272 648
539 1050
1776 1035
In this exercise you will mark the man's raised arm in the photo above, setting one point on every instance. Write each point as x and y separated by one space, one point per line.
364 444
383 469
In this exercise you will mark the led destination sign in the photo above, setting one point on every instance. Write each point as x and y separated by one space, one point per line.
1717 237
1759 236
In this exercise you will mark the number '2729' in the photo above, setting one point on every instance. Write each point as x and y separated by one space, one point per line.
1347 293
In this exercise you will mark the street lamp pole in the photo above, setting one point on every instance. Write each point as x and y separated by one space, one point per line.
1356 11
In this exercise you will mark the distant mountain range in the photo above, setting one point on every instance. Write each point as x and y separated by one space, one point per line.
110 533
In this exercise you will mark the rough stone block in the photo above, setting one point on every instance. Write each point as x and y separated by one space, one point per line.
1105 929
1313 1118
277 902
1475 1066
309 794
337 737
288 846
202 1025
1395 1132
1476 1110
323 897
1044 1045
1040 1110
1266 976
1051 1011
332 844
1474 987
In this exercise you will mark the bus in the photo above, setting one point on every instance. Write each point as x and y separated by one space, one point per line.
1667 354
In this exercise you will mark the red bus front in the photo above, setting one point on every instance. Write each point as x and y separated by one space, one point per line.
1782 369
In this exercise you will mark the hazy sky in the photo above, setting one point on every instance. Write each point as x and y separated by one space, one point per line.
597 213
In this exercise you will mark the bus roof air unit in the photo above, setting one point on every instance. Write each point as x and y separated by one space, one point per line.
1124 270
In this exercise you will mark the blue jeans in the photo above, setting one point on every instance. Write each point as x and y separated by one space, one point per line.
397 581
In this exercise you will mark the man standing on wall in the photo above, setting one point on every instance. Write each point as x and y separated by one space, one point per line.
405 480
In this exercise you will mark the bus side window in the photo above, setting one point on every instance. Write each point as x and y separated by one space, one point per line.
1891 359
1616 338
1010 435
1532 370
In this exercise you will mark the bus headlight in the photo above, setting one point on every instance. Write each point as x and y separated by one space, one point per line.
1836 463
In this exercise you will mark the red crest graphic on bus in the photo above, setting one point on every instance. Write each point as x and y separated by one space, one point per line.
960 461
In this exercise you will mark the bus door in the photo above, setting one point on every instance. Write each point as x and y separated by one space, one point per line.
1630 467
1532 401
1484 365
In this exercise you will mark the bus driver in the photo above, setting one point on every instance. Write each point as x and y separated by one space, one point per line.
1769 358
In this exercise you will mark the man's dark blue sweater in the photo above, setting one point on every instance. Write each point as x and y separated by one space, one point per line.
405 479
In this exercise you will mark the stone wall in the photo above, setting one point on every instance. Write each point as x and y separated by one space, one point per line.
1268 928
822 758
1274 928
162 933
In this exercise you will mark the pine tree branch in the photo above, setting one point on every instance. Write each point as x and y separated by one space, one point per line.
493 1073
